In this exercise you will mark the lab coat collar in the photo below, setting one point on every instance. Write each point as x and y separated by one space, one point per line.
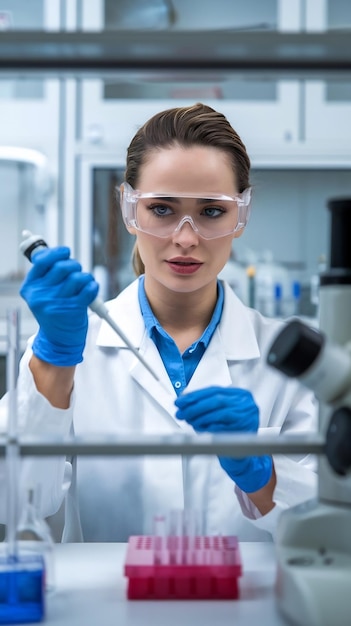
125 311
236 326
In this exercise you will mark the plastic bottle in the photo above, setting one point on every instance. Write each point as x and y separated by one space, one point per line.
272 286
234 274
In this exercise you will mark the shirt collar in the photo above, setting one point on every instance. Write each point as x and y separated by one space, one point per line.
239 326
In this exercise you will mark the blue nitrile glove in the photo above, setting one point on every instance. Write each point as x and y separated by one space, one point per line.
58 294
228 409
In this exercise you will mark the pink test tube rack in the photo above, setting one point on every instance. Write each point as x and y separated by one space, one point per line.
182 568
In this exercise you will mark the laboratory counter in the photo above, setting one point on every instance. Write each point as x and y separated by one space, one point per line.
91 590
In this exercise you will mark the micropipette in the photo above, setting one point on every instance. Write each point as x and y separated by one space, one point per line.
34 243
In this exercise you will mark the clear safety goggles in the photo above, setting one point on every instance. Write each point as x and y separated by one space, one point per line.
162 214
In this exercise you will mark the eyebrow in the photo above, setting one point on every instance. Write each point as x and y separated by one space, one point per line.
179 199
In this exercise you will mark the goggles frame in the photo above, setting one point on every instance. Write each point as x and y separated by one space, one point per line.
129 198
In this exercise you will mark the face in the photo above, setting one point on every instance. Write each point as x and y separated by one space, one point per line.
185 262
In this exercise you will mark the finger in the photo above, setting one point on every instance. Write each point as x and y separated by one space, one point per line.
88 292
218 422
210 405
192 397
235 394
60 272
73 283
239 402
45 259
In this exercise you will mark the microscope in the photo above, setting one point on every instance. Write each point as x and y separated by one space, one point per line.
313 542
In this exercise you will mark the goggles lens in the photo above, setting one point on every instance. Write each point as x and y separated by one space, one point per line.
162 214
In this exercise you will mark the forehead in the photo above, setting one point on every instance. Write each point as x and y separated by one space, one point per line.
191 169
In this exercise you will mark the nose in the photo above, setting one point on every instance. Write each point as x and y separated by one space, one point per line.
186 234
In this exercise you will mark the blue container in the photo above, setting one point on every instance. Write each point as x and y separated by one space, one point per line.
22 594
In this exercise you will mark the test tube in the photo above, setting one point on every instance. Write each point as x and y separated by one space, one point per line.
191 531
160 540
176 538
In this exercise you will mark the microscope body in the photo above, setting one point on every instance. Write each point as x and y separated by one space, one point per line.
313 584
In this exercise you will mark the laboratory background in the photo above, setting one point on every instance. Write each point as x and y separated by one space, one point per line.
63 143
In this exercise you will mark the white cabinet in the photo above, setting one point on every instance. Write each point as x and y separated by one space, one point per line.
328 120
328 103
266 126
264 111
29 105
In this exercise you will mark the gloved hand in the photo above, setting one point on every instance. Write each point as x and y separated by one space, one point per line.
228 409
58 294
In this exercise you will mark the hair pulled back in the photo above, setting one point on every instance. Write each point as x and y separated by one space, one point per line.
198 125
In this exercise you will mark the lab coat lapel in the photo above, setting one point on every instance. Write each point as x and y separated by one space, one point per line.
234 340
126 312
161 391
213 368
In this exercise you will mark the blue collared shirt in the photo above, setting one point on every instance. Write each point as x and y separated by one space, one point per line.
180 367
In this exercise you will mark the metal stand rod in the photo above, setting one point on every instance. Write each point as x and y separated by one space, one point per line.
225 445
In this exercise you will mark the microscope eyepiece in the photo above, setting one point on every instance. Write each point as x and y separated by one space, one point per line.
295 349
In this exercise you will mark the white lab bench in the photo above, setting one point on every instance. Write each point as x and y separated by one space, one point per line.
91 590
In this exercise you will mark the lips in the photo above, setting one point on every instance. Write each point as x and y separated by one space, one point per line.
184 265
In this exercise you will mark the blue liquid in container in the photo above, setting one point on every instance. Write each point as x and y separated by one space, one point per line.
22 595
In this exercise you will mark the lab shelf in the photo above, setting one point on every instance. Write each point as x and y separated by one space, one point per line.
292 54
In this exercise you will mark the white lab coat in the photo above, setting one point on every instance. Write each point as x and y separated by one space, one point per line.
110 499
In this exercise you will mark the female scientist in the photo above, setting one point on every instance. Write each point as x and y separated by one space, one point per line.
186 196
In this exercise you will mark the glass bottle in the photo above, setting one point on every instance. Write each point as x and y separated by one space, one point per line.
33 534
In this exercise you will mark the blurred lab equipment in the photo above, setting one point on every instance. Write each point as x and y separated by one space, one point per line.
21 573
178 563
272 286
315 282
251 276
43 182
295 297
33 534
313 539
35 243
235 274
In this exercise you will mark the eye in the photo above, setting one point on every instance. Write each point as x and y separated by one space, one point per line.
160 210
213 211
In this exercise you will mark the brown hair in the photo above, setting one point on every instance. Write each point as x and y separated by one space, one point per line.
186 126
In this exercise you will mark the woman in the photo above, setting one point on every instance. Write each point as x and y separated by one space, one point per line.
191 173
